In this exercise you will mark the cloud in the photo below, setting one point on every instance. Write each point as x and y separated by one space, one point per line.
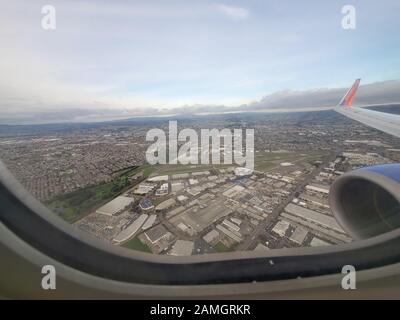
369 94
385 92
185 56
233 12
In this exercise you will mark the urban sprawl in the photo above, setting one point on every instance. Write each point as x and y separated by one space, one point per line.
96 177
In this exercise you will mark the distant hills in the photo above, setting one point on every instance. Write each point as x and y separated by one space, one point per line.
240 116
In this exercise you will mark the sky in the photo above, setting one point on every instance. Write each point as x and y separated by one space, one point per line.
111 59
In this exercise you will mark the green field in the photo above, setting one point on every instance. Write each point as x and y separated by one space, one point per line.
148 170
268 160
136 244
72 205
187 168
263 161
220 247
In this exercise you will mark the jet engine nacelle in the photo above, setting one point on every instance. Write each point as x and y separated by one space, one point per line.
366 202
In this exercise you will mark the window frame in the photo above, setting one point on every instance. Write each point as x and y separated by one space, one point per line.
36 225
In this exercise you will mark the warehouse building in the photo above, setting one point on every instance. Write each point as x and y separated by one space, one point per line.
298 235
281 227
166 204
131 229
313 216
144 188
156 234
149 222
182 248
115 206
242 171
212 236
318 188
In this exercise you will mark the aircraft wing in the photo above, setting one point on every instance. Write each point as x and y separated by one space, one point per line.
389 123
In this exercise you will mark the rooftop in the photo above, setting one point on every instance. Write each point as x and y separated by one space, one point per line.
115 206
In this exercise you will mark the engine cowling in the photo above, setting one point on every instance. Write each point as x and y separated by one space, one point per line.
366 202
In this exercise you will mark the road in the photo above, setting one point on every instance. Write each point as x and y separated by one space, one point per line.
252 238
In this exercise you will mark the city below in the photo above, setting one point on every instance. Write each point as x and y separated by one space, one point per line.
95 176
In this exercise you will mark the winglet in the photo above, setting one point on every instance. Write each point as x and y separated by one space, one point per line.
347 100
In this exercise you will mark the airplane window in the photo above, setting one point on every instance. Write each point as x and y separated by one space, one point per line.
202 127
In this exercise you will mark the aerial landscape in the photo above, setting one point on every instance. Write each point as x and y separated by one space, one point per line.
95 176
199 150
